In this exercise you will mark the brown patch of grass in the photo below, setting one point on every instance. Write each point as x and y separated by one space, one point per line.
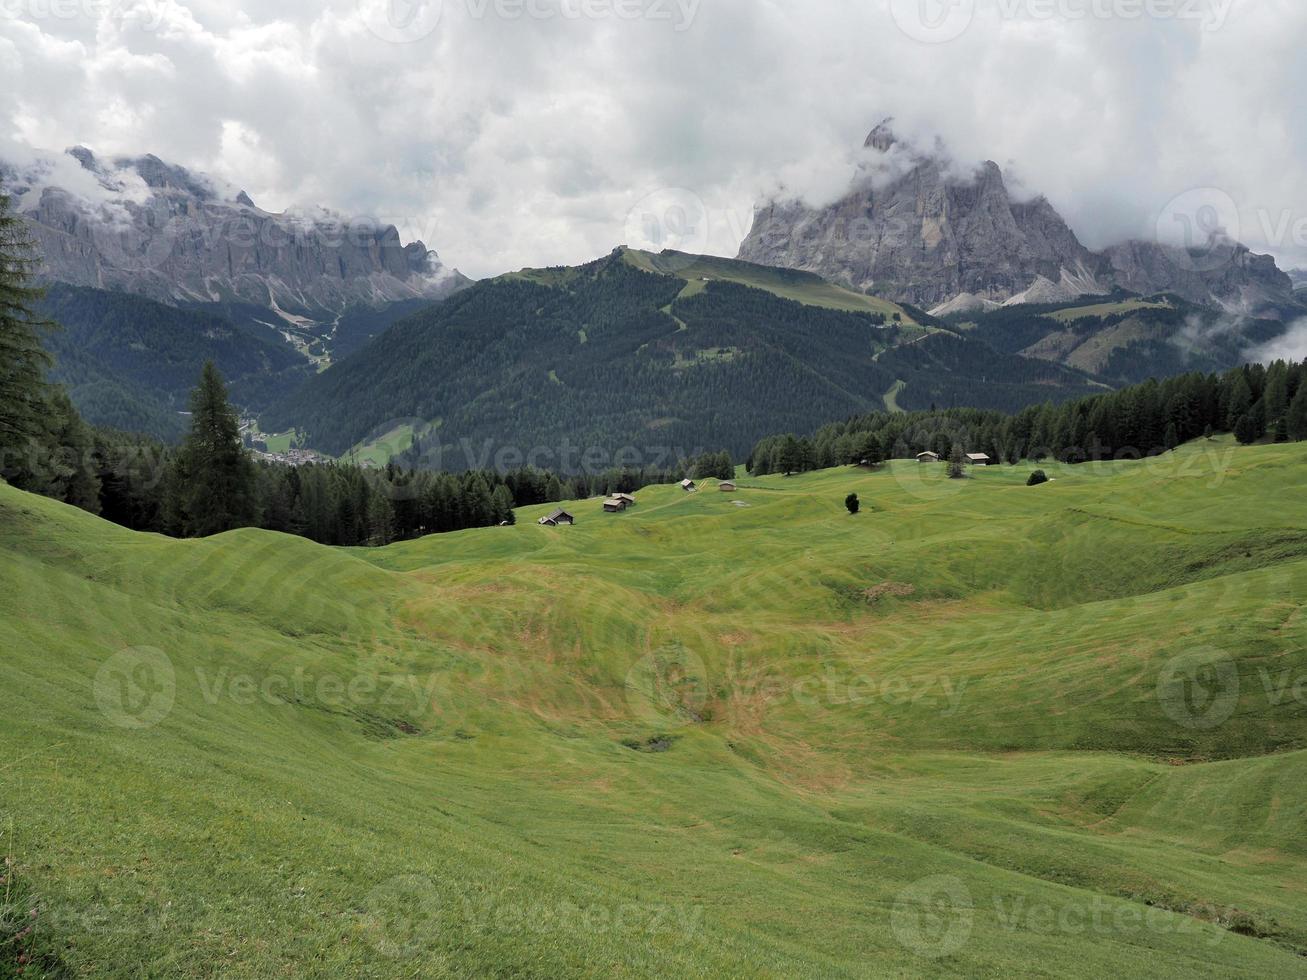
895 590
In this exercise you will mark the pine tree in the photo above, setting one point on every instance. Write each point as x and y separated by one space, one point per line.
1172 437
503 501
1296 419
870 449
23 391
381 519
789 456
215 478
1240 401
1276 398
1246 429
69 472
957 463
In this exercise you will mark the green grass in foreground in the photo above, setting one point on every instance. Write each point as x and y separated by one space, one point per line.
979 729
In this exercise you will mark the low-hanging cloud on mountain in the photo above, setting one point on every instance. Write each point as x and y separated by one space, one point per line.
1289 346
513 134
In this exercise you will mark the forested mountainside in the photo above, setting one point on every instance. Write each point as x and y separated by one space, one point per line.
1123 339
651 353
129 363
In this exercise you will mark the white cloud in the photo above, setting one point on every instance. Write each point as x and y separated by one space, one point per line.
508 139
1289 346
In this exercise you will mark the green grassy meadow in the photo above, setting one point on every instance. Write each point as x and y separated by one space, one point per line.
379 450
281 443
802 287
979 729
1103 310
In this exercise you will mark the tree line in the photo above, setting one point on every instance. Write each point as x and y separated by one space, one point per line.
1256 402
211 483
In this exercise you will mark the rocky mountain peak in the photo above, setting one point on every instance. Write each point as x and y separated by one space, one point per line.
166 177
84 156
173 235
882 137
934 234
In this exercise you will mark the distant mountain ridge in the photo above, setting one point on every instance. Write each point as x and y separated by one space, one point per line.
140 254
147 227
913 230
650 353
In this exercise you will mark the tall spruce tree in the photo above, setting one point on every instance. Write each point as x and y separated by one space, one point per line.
1276 398
1247 430
1240 399
957 461
789 456
1297 416
69 471
215 484
23 390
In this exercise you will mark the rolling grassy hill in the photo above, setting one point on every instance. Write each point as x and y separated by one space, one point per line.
980 729
802 287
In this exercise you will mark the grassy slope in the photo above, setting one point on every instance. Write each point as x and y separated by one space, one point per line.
959 685
1072 313
802 287
382 449
696 270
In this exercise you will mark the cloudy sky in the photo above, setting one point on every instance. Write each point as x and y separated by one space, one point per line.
528 132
